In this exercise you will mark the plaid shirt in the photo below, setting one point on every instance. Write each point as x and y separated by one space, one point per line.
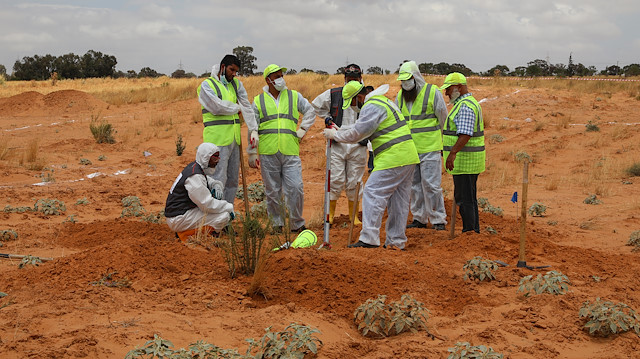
465 118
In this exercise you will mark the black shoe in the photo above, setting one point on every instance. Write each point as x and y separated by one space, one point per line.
416 224
439 227
360 244
303 228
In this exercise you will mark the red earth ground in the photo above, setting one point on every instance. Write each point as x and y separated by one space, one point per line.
184 293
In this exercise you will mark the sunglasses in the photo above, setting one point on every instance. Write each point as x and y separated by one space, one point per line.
352 70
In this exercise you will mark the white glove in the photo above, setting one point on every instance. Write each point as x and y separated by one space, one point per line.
329 133
253 141
254 161
217 189
300 133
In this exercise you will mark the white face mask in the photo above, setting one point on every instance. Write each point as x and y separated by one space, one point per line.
454 95
409 84
279 83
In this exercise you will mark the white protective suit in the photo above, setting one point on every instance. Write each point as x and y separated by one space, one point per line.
282 174
216 213
348 160
228 168
388 188
427 202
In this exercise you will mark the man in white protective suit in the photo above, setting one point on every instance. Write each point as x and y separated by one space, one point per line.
195 198
222 96
395 157
277 111
423 106
348 160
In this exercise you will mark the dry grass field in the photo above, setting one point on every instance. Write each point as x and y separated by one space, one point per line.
581 138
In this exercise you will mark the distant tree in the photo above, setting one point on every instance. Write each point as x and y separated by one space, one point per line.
442 68
498 70
131 74
427 68
629 70
205 74
247 60
97 64
291 72
322 72
398 69
571 68
375 70
179 74
148 72
613 70
461 68
68 66
340 70
190 75
538 67
519 71
119 74
33 68
306 70
558 70
386 72
3 70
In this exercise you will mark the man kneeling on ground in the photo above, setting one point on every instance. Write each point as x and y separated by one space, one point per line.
195 198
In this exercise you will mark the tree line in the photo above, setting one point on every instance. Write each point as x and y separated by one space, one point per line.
97 64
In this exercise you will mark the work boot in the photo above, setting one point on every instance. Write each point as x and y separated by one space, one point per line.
361 244
351 214
416 224
332 210
439 227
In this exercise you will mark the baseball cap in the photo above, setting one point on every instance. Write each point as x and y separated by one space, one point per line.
405 71
271 69
349 91
454 78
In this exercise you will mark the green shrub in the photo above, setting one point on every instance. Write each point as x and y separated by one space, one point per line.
132 207
480 269
464 350
30 260
102 131
295 341
553 282
496 138
85 161
102 158
634 240
21 209
243 251
537 209
520 156
70 219
592 199
605 318
487 207
491 230
180 146
8 235
375 318
255 192
633 170
49 206
591 127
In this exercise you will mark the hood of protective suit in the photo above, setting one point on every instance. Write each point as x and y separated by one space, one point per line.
381 90
204 153
214 70
415 71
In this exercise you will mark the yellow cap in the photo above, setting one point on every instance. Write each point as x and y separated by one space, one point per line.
271 69
349 91
405 71
454 78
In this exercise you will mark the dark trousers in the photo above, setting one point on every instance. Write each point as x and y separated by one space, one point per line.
464 193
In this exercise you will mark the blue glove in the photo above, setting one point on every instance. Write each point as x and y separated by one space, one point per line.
232 215
328 122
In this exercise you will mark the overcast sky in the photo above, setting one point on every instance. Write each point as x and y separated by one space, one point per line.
324 34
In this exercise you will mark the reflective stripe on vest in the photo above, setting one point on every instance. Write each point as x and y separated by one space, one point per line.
277 124
221 129
471 158
392 142
423 122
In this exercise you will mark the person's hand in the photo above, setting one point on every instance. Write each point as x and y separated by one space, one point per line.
254 161
254 139
328 123
300 133
329 133
450 159
232 214
217 190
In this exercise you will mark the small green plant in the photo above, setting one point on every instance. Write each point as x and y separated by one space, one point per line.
180 145
552 223
520 156
157 347
132 207
592 199
47 175
102 158
553 282
464 350
153 217
496 138
21 209
480 269
82 201
30 260
537 209
110 280
102 131
634 240
605 318
70 219
491 230
295 341
49 206
487 207
633 170
255 192
242 251
591 127
376 318
8 235
85 162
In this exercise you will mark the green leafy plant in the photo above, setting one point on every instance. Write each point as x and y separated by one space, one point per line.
487 207
480 269
132 207
255 192
464 350
605 318
491 230
553 282
243 248
295 341
8 235
157 347
180 145
81 201
85 161
496 138
537 209
520 156
30 260
591 127
21 209
70 219
47 175
634 240
50 206
376 318
102 158
592 199
102 131
110 280
633 170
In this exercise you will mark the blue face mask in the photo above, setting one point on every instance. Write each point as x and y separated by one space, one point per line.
223 77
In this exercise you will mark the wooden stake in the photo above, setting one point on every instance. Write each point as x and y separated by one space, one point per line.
523 212
353 210
247 212
452 233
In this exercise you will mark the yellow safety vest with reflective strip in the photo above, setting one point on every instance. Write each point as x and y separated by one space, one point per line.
391 142
221 130
471 158
277 124
423 122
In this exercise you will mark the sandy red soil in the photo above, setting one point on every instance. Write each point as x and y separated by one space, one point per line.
184 292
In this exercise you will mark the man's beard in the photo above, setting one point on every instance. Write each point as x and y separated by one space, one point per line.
410 96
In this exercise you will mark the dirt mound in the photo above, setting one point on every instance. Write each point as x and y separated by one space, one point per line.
55 103
21 103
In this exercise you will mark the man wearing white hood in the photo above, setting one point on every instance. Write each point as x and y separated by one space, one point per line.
195 198
394 159
221 97
423 105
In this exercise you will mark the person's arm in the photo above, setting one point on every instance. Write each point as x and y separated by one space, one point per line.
370 118
246 108
440 108
308 115
322 104
196 186
209 99
464 120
